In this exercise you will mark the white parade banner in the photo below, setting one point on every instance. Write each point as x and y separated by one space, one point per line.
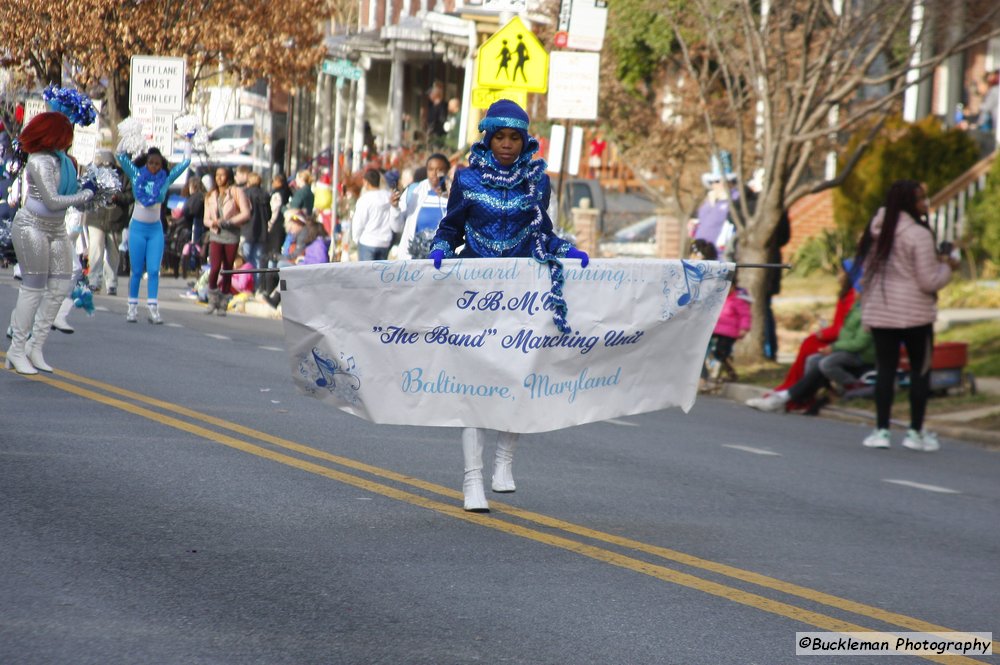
474 344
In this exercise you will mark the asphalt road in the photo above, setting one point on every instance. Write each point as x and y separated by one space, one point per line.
167 497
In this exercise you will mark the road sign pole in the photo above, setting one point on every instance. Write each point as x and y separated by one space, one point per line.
335 156
565 167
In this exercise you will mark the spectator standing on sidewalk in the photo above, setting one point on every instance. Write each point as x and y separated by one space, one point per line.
303 197
375 220
903 272
280 195
423 206
104 226
226 210
733 325
254 232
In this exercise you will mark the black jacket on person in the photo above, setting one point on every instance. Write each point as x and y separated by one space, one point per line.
255 230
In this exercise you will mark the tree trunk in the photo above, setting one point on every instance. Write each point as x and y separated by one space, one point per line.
753 249
117 103
751 347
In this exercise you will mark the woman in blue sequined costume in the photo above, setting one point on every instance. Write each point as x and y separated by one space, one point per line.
498 208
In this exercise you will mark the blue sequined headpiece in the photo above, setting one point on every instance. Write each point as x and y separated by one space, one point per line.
71 103
504 113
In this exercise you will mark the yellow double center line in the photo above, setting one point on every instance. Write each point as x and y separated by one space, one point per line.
453 509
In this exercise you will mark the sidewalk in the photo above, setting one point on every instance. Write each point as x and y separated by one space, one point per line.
954 425
171 295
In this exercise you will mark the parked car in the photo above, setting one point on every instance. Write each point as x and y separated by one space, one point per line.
642 231
635 240
232 137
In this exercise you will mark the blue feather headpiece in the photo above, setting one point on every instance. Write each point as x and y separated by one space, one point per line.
71 103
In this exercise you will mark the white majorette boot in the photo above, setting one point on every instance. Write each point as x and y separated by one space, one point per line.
472 487
154 312
61 324
21 322
503 476
47 311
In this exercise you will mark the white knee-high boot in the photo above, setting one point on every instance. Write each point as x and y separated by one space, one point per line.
60 323
472 487
503 476
21 321
47 311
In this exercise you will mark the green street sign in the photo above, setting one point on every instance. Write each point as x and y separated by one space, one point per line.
344 69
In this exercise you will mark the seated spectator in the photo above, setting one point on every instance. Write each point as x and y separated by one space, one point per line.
306 243
703 250
733 324
850 287
836 366
242 278
315 243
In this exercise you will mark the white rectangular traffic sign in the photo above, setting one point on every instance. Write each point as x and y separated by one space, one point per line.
588 20
574 82
157 83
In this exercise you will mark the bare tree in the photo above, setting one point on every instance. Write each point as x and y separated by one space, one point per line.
791 76
280 40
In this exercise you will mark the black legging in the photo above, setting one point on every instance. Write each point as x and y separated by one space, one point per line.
919 344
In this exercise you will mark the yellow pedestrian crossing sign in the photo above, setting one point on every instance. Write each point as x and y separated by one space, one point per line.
482 98
513 58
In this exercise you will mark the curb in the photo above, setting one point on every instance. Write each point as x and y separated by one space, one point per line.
741 392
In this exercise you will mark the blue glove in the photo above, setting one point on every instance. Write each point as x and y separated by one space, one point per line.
575 253
91 185
437 255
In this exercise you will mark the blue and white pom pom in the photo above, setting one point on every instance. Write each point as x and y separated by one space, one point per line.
189 127
133 140
71 103
107 182
83 298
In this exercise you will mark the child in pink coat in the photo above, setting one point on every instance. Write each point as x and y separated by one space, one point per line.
733 324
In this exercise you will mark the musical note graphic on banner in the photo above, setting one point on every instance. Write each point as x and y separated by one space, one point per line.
329 369
697 273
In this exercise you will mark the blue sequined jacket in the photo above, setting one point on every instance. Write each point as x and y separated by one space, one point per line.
499 212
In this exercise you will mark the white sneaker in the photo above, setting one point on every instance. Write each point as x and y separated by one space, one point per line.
154 314
132 315
771 402
923 441
877 439
931 443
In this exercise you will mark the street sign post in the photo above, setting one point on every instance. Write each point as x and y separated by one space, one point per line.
343 69
513 58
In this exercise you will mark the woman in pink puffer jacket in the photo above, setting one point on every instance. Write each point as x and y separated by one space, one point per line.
903 272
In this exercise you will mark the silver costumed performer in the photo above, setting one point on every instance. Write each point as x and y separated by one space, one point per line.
46 258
